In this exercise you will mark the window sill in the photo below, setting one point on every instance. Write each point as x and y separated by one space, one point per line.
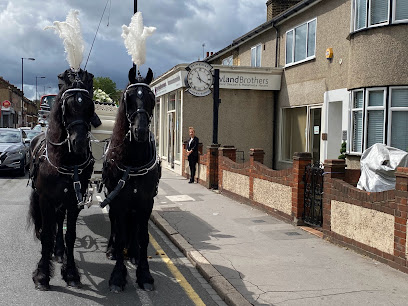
301 62
395 23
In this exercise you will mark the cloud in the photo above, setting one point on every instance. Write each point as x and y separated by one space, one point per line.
183 26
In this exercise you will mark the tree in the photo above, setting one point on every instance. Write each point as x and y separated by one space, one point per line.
108 86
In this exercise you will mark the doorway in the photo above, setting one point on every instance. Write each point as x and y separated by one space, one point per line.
315 119
171 137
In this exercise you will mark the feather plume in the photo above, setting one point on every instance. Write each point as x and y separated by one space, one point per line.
135 36
70 33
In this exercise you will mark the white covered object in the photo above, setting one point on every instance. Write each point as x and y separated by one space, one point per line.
378 164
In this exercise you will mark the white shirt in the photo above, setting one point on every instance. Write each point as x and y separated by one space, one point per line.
189 143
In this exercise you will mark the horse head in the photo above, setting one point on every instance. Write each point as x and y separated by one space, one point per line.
77 109
139 103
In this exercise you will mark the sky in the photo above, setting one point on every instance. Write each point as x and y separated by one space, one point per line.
183 26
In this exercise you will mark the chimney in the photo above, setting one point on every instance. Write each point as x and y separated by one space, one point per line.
276 7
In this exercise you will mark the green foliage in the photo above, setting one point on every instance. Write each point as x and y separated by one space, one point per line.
108 86
342 151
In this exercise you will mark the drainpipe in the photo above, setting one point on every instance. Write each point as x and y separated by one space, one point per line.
275 106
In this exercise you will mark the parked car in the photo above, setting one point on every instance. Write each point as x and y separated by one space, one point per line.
30 134
14 150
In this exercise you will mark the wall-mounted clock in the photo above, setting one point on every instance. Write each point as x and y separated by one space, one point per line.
199 78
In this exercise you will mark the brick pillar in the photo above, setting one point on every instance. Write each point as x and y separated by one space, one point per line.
228 151
333 168
400 223
300 160
212 166
256 155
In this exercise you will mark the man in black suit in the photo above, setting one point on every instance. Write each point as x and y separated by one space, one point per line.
192 153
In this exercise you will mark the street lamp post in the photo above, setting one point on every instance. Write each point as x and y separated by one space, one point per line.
22 86
37 77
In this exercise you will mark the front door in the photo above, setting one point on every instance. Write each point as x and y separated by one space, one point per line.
315 116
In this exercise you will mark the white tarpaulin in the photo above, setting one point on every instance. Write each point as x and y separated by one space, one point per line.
378 165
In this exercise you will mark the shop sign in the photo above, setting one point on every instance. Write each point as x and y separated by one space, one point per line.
172 83
243 80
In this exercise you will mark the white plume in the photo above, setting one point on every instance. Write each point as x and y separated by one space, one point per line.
70 33
135 38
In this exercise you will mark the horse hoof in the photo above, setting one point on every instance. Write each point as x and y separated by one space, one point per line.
59 258
134 261
42 287
115 289
74 284
146 287
110 256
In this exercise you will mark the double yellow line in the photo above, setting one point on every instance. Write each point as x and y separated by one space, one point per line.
176 273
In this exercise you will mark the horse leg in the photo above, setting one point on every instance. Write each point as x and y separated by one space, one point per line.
59 248
117 281
44 270
110 251
143 276
69 270
132 244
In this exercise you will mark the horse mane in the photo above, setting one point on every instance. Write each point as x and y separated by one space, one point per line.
120 129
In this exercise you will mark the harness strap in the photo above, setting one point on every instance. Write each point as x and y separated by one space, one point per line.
117 189
77 185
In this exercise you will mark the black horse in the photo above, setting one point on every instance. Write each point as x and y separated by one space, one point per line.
61 166
131 175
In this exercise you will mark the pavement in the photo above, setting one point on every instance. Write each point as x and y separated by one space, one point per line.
252 258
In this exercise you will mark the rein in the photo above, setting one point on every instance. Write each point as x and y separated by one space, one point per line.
129 172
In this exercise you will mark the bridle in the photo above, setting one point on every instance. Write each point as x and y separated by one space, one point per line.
138 87
78 93
75 170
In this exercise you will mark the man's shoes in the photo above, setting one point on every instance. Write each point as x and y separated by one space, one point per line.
190 181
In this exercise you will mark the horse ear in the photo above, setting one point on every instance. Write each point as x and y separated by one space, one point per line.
149 76
132 75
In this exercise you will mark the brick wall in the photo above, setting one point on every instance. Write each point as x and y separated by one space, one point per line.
374 224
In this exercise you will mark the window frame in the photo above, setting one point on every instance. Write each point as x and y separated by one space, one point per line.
293 45
368 17
386 107
390 16
393 109
394 5
352 110
260 57
368 108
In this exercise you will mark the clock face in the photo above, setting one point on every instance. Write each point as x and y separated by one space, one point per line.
200 79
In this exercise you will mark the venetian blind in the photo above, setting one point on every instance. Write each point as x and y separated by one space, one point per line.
360 14
401 9
378 11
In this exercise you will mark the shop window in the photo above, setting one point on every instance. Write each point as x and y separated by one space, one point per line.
293 131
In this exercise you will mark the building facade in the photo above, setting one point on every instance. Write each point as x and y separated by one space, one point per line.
10 107
345 76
